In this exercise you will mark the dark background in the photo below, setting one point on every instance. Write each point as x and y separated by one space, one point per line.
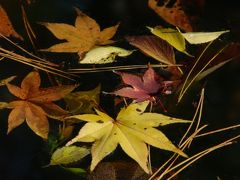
22 152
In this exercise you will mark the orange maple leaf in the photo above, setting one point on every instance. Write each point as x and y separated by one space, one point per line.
35 104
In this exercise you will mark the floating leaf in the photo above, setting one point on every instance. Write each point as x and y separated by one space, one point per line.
202 37
83 101
104 54
145 87
35 104
173 14
69 154
6 27
172 36
80 38
131 129
154 47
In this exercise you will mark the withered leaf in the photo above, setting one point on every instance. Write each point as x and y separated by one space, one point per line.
174 15
154 47
35 104
82 37
6 27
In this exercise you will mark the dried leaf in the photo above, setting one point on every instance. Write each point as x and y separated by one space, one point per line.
145 87
174 14
6 27
104 55
69 154
83 101
131 129
35 104
154 47
80 38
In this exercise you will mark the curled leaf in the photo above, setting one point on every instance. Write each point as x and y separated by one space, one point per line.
104 54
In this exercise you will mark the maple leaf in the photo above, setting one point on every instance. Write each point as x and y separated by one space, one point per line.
145 87
35 104
132 129
82 37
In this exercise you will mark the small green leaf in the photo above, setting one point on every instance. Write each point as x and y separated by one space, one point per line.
67 155
78 171
104 54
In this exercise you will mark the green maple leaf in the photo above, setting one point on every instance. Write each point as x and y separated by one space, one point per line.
132 129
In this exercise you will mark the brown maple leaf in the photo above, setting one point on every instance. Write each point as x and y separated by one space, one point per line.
82 37
35 104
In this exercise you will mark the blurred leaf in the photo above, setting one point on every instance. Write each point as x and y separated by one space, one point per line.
6 28
83 101
103 55
154 47
173 14
78 171
132 129
3 105
69 154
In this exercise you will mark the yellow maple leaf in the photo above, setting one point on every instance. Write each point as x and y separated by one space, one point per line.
132 129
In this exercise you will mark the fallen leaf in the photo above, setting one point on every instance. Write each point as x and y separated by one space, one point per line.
154 47
83 101
172 36
104 55
174 14
35 104
6 28
80 38
132 129
68 154
145 87
202 37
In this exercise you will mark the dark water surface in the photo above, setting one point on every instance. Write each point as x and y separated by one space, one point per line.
22 153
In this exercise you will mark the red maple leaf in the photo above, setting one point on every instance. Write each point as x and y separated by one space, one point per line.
35 104
145 87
